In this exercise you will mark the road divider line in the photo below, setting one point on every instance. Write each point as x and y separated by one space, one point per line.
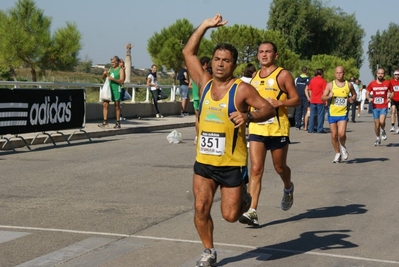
195 241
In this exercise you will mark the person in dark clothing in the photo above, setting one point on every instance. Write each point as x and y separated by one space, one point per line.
301 82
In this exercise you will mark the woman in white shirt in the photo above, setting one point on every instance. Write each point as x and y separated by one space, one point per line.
152 82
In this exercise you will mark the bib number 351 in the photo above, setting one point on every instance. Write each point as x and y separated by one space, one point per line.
212 143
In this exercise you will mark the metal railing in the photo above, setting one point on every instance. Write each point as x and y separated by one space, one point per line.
130 87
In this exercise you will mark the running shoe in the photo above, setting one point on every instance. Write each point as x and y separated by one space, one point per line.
117 125
245 199
344 153
383 135
337 158
392 129
288 199
377 142
159 115
103 125
397 131
250 218
207 259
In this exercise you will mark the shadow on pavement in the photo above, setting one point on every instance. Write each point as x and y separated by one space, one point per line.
323 212
392 145
308 241
365 160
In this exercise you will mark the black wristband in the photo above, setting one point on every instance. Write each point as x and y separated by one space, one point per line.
250 117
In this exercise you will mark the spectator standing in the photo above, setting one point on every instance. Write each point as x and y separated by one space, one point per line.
276 85
317 106
354 104
380 89
395 101
221 152
249 72
123 92
301 82
184 91
358 96
116 76
337 94
152 82
363 97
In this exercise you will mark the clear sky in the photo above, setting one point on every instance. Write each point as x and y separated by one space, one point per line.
107 26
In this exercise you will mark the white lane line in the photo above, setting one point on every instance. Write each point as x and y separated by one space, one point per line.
198 242
234 259
62 230
269 249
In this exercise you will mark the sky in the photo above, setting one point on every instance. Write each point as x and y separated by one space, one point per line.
107 26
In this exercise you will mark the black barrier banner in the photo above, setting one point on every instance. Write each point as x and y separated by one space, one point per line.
41 110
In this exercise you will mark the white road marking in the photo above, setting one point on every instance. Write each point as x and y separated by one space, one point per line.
75 250
198 242
6 236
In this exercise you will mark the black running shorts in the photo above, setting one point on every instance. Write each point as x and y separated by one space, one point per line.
227 175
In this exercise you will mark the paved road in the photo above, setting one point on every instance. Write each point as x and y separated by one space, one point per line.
126 200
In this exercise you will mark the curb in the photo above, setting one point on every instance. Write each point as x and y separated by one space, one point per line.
58 137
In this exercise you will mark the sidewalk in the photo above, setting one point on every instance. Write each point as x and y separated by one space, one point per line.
128 126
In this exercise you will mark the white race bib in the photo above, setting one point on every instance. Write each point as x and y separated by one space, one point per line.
340 101
378 100
269 121
212 143
396 88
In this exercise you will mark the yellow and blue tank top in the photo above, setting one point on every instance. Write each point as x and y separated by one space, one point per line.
268 88
219 143
338 103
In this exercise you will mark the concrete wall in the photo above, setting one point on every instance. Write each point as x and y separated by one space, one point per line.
134 110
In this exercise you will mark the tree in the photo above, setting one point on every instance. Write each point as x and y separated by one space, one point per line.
383 50
312 29
165 47
247 39
27 41
328 63
244 38
63 52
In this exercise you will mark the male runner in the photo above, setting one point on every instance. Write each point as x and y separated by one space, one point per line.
337 93
221 148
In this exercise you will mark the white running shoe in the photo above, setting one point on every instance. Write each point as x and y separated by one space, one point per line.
384 135
344 153
377 142
337 158
208 259
250 218
392 129
397 131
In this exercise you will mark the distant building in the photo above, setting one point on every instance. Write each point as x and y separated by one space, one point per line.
101 66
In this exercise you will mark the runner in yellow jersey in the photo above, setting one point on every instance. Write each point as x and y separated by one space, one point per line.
337 94
277 86
221 148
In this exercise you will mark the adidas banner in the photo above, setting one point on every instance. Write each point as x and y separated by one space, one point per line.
41 110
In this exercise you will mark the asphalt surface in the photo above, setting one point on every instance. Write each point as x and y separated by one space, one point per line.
125 199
